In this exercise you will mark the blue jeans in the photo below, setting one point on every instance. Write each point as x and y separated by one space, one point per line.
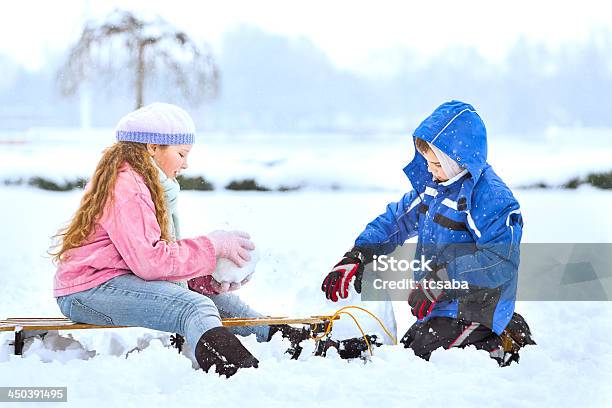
127 300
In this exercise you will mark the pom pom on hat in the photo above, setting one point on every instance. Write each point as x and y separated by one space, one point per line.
157 123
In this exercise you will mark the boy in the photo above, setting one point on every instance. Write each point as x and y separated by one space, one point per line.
468 224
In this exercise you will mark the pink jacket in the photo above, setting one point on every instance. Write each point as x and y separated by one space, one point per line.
126 239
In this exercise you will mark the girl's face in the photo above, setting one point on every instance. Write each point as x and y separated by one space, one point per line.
434 167
171 159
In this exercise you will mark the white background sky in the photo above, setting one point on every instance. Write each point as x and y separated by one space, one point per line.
350 32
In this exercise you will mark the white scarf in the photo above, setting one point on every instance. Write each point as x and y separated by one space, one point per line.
171 189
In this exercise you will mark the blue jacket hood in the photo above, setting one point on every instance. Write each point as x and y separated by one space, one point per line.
456 129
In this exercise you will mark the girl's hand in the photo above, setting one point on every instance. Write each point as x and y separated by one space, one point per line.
224 287
233 245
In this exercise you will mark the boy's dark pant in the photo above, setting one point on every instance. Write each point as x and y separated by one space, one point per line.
424 338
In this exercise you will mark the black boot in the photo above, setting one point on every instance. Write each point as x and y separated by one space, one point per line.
519 331
516 336
349 348
294 335
221 348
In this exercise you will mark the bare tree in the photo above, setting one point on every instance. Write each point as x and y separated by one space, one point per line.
125 41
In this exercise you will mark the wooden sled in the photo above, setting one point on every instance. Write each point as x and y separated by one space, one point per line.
22 326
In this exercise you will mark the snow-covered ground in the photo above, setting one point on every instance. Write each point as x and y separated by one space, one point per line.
311 161
300 235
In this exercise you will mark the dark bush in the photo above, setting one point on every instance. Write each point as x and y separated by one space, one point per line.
50 185
288 188
245 185
573 183
195 183
600 180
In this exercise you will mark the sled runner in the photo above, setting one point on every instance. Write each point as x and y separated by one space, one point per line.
27 326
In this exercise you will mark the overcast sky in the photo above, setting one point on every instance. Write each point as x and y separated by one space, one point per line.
352 33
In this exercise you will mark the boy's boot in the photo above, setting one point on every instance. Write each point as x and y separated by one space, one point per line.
516 336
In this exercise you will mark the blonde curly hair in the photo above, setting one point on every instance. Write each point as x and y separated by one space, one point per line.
100 192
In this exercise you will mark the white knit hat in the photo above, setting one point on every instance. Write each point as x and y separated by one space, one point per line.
158 123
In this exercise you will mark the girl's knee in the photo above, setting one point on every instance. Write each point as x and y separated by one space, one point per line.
203 305
62 302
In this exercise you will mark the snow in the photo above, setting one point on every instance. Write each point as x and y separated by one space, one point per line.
228 271
299 236
314 162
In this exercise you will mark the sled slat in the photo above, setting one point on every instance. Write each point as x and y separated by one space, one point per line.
68 326
62 323
35 318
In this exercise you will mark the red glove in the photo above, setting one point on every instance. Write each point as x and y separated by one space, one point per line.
336 283
207 285
427 293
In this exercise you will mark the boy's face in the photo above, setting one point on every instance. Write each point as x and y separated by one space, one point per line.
434 167
171 159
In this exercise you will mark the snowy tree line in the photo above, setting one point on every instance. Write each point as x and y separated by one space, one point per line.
278 84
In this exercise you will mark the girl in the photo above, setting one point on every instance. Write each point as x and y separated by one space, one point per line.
122 261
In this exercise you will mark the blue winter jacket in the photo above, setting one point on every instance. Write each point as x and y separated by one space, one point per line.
470 224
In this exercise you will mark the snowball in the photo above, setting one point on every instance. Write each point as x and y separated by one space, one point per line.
227 271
